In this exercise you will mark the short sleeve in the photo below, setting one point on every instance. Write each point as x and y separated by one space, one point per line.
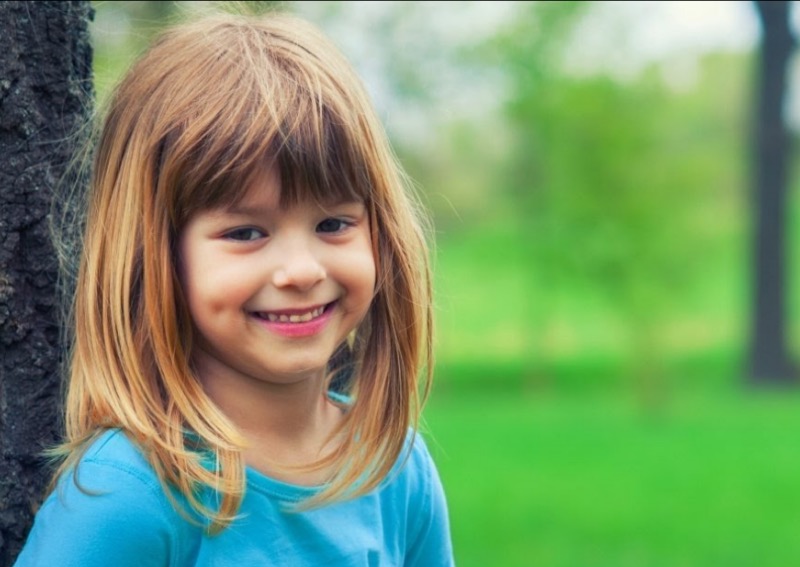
431 546
117 517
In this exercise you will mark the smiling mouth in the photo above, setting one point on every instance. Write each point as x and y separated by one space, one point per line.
293 316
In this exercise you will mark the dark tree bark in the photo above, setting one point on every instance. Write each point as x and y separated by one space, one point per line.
45 94
770 361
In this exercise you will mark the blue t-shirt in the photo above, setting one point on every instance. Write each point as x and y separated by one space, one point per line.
128 520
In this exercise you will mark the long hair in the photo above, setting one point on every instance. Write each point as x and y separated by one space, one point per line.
191 123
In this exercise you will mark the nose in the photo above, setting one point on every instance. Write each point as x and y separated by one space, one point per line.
299 266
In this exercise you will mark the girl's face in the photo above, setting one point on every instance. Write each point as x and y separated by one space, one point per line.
273 292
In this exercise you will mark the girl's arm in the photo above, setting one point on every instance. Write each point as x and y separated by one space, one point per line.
431 546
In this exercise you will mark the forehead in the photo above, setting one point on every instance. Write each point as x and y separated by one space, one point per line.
262 189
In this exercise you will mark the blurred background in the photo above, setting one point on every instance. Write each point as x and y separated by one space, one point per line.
592 170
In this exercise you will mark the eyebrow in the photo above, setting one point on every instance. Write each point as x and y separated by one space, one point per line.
336 202
255 210
243 210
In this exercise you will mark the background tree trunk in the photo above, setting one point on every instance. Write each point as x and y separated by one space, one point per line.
45 93
770 361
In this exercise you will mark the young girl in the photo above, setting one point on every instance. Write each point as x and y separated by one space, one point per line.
251 315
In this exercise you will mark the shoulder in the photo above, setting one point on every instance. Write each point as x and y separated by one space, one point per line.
415 461
416 481
115 452
105 511
115 471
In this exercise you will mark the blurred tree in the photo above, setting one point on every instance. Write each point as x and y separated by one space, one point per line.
610 182
770 361
46 93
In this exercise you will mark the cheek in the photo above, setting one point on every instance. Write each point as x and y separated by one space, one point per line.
357 274
217 292
365 273
371 271
208 287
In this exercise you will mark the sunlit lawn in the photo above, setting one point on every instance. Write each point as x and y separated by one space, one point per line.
576 461
709 479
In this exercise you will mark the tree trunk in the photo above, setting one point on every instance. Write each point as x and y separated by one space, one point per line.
770 361
45 94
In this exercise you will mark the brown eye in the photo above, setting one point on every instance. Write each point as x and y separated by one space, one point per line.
332 225
244 234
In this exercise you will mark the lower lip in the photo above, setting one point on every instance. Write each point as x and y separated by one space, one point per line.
302 329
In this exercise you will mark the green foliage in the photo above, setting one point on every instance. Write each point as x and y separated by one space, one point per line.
625 199
612 178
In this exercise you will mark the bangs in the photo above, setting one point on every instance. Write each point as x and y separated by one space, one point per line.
262 113
315 164
317 160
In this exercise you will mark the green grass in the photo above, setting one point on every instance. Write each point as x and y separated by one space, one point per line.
570 431
707 479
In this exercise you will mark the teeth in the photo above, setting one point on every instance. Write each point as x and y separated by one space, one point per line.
295 318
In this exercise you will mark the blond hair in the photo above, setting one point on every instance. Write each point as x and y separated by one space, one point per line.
194 119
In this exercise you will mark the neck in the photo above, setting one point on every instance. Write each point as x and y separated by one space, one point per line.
285 421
